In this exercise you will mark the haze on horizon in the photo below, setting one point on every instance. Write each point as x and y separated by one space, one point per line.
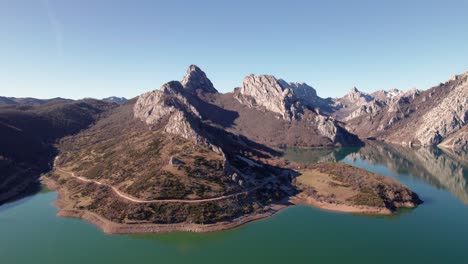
77 49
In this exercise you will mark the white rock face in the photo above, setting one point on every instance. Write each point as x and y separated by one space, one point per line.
358 103
326 127
179 124
278 96
448 117
154 106
147 108
168 103
195 79
357 97
266 91
370 108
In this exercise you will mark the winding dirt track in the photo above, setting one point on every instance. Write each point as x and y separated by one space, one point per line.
136 200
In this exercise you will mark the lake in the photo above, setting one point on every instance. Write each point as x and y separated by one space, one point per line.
435 232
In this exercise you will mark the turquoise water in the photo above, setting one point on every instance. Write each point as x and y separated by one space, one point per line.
435 232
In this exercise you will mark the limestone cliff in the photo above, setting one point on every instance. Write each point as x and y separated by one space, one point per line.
305 114
413 117
196 79
265 91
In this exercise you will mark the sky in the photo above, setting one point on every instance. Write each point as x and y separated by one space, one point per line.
99 48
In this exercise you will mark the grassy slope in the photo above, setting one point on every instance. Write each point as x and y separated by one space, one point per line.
341 183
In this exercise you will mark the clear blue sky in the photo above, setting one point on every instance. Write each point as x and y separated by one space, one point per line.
98 48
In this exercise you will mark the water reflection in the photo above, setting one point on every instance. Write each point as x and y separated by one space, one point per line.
318 155
445 170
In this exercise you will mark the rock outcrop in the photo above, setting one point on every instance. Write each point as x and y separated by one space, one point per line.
114 99
169 106
357 97
196 80
297 105
278 96
457 142
289 112
446 118
413 117
265 91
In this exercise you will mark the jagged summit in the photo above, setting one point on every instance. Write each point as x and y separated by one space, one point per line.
460 76
277 95
265 91
354 96
115 99
354 90
195 79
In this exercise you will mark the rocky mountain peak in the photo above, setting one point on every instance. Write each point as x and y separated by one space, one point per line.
267 92
388 95
302 90
195 79
394 91
356 96
288 99
115 99
253 84
354 89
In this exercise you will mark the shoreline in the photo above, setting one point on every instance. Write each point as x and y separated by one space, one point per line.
339 208
114 228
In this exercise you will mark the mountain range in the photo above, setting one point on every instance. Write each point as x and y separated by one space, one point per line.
187 141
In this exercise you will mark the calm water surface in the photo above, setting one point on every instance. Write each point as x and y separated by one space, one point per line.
435 232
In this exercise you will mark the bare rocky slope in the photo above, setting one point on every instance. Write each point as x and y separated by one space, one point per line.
264 109
437 116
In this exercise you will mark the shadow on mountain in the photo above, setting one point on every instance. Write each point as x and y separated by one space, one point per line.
216 114
30 190
319 154
238 144
28 134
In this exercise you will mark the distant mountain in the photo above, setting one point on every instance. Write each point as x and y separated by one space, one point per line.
114 99
416 118
7 101
29 101
356 103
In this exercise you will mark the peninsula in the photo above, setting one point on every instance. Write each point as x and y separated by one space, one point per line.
187 158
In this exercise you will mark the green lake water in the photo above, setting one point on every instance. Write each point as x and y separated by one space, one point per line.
435 232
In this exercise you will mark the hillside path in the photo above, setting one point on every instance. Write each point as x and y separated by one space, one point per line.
136 200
